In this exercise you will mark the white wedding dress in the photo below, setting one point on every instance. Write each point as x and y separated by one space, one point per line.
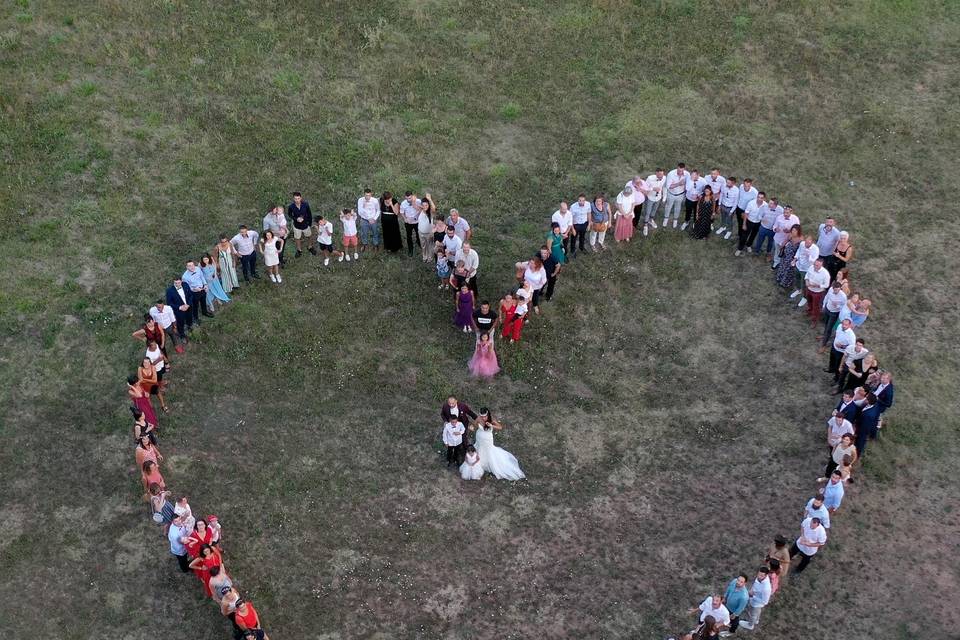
500 462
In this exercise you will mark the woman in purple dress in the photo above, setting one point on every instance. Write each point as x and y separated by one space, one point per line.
464 316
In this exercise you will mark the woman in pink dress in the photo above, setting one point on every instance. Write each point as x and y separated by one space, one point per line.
140 399
483 364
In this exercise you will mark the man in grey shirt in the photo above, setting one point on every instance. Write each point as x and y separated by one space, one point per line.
245 243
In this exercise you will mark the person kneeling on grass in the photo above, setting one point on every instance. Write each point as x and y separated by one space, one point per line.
325 240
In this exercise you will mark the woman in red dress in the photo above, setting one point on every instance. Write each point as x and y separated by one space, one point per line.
201 535
508 311
245 617
207 558
141 399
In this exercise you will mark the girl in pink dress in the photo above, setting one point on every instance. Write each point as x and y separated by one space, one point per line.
483 364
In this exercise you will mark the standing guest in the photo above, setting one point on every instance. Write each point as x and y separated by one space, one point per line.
151 332
713 607
150 474
599 221
856 367
860 311
735 599
220 583
368 208
507 309
519 317
716 183
750 223
833 491
151 381
868 423
348 218
485 319
156 356
729 199
228 608
768 218
884 392
302 217
460 226
425 228
452 244
180 298
705 212
463 317
439 231
227 263
845 448
843 340
774 576
693 190
778 552
563 219
453 439
675 186
161 508
215 292
207 558
453 407
535 276
815 509
248 619
471 262
747 193
781 229
271 247
551 268
555 241
142 426
841 255
325 240
816 281
459 276
276 221
833 303
145 451
390 223
837 427
443 268
803 259
245 246
759 597
639 188
785 270
193 278
580 211
812 536
827 237
847 407
166 318
484 364
654 200
623 226
140 400
175 535
410 209
182 509
200 536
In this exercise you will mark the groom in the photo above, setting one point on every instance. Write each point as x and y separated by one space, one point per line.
453 437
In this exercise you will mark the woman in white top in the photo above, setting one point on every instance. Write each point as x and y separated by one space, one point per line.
271 247
533 274
425 228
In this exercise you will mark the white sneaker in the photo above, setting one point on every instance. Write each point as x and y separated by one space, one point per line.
326 262
720 230
802 303
727 235
795 293
674 223
347 256
645 231
738 253
665 221
279 279
683 227
340 259
749 249
356 256
273 278
653 224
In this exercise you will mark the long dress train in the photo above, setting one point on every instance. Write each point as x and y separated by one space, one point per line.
500 462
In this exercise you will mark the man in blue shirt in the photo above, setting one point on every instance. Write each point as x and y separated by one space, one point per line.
833 491
735 598
194 280
177 533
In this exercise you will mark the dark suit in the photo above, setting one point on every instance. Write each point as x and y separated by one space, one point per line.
885 398
867 423
174 301
850 412
466 413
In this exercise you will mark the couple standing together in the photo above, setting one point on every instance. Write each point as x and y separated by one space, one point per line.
482 456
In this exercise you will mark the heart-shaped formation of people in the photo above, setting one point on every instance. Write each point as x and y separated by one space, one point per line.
815 268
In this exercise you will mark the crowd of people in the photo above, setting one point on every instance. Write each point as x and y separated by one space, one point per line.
811 267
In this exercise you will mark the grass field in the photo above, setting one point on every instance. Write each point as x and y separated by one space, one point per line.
667 409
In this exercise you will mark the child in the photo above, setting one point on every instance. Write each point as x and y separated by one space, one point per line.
483 364
325 240
349 219
443 269
463 318
453 437
519 315
459 275
471 469
774 575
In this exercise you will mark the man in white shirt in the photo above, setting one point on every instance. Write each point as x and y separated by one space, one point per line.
639 187
715 181
769 215
803 259
817 281
693 189
654 201
675 191
781 230
752 214
748 194
245 244
760 592
833 302
713 606
837 426
564 218
845 338
580 210
813 535
453 438
471 262
460 226
325 240
729 199
452 244
368 208
165 318
410 211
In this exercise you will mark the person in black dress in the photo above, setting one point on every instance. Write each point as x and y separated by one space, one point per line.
389 212
704 217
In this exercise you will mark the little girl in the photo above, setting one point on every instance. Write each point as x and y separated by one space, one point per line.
483 364
471 469
443 269
463 318
349 219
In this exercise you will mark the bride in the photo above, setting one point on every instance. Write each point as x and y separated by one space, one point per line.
500 462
